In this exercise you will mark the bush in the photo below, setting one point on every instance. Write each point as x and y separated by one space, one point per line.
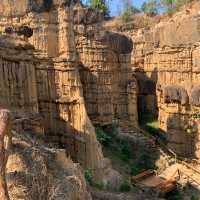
128 12
194 197
102 137
111 130
150 7
90 180
125 186
135 171
88 176
125 153
174 195
144 161
172 6
102 5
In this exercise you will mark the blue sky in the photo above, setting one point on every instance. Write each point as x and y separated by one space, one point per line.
115 5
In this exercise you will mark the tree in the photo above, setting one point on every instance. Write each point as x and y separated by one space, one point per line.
173 5
170 5
150 7
128 10
102 5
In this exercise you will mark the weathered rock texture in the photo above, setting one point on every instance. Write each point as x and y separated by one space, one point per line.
167 55
39 170
36 170
75 33
5 132
178 122
175 65
72 76
105 68
51 87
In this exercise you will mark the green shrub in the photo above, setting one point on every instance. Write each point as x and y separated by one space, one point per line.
144 160
174 195
111 129
150 7
194 197
125 186
102 5
90 180
102 137
135 189
135 171
126 15
88 176
125 153
173 6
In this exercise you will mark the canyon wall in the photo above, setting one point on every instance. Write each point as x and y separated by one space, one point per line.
103 57
49 83
35 169
105 69
68 78
166 63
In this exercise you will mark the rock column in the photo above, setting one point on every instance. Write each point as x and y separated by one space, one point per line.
5 131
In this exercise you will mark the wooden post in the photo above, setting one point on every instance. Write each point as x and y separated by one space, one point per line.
5 131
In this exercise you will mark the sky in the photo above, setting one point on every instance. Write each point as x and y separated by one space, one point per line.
115 6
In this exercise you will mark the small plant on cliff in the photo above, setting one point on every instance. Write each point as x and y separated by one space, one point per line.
102 137
124 151
194 197
125 186
102 5
89 177
128 10
169 5
90 180
172 6
143 162
174 195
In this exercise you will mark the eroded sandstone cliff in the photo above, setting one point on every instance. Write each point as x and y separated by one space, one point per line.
165 57
70 77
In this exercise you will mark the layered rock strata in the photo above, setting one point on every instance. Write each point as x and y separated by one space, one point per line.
70 77
75 33
33 83
166 55
179 119
105 68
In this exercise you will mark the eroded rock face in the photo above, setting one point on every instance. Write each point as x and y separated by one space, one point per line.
86 15
48 81
16 8
166 56
105 70
36 170
5 132
32 169
180 122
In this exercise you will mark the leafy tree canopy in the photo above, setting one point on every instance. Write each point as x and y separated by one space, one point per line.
102 5
128 10
173 5
150 7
